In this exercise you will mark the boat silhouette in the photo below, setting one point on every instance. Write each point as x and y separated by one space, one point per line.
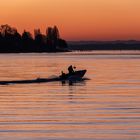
77 75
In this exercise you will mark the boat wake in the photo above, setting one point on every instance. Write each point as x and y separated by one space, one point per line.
44 80
77 76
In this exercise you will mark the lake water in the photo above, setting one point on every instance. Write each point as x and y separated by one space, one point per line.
106 107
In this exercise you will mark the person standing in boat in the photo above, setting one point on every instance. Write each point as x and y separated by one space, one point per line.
71 69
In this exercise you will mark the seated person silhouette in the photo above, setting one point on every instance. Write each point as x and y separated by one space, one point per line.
70 69
63 75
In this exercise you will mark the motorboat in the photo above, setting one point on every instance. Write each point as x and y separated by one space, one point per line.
76 75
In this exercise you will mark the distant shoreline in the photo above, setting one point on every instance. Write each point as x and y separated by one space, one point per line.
104 45
91 52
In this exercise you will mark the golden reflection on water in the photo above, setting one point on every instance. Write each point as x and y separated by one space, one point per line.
106 107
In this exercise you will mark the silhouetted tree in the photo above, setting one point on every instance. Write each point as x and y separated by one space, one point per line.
52 37
39 37
37 32
40 40
27 36
49 36
6 30
27 41
17 40
10 38
49 33
12 41
55 33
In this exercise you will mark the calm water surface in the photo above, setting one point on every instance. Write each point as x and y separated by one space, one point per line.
106 107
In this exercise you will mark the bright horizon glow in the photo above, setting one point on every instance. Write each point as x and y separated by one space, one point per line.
76 19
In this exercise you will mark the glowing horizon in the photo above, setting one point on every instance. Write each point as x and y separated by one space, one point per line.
76 20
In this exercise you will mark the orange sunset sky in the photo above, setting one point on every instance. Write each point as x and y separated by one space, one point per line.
76 19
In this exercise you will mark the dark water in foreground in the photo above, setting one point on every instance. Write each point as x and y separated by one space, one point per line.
107 107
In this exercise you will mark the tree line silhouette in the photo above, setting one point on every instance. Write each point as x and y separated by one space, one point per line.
11 41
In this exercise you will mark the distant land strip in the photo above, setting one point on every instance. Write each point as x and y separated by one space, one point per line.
104 45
